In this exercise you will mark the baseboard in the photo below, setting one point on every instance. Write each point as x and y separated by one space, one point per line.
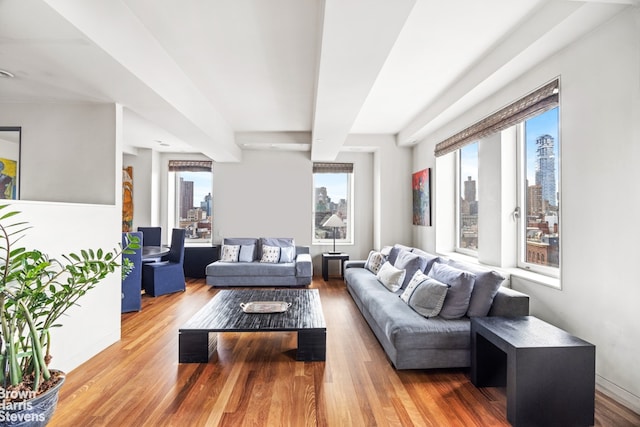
618 394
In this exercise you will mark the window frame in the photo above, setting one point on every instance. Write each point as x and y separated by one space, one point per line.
173 203
521 217
349 239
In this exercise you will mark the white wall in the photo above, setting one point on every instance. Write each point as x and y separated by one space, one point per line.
600 151
67 151
73 153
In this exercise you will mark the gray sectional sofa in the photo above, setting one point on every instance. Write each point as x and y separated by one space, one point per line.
411 340
261 262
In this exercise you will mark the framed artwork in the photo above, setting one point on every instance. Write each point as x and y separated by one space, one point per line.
421 187
127 199
10 162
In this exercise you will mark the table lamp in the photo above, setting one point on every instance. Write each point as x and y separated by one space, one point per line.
334 221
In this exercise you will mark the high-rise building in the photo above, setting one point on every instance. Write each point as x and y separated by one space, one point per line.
186 197
470 190
546 169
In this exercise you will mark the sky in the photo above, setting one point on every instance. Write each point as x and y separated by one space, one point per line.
336 184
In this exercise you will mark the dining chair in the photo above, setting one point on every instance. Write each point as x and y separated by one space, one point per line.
132 282
151 236
167 275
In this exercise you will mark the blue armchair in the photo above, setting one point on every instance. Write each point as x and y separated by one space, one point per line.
167 275
132 283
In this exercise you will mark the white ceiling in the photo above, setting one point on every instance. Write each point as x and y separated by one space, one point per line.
221 76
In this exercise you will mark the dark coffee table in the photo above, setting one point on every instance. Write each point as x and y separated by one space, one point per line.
549 373
198 337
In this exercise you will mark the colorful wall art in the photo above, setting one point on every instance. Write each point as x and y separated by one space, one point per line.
421 186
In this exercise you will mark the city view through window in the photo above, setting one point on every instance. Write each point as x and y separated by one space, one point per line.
541 198
331 197
194 205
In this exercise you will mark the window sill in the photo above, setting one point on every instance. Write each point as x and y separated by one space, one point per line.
530 276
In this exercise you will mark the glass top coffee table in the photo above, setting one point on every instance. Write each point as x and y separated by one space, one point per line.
198 337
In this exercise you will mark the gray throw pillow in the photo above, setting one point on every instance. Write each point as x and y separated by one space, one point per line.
431 259
411 263
485 288
460 284
247 253
287 254
395 250
425 295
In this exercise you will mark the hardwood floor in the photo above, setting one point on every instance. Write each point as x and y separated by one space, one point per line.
255 379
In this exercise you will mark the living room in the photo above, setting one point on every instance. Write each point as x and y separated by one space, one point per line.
64 188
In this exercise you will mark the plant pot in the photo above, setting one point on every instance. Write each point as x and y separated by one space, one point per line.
34 412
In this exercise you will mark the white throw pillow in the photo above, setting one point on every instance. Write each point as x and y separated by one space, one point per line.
270 254
230 253
390 276
425 294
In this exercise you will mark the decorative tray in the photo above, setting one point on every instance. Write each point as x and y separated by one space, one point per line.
265 306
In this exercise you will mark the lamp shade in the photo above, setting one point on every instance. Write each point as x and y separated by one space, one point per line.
334 221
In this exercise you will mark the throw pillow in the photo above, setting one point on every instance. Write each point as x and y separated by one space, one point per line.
230 253
390 276
458 295
485 288
374 262
425 295
411 263
270 254
287 254
247 253
431 259
395 250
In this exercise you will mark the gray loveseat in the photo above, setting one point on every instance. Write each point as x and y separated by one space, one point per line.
255 262
412 341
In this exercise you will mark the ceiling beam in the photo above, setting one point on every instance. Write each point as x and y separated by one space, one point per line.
115 29
357 36
547 30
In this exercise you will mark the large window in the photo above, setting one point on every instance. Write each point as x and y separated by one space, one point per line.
190 198
468 199
539 192
534 118
332 184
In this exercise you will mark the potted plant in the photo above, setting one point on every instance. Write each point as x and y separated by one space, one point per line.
35 290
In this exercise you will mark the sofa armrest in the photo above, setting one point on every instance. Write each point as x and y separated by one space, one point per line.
354 263
304 266
509 303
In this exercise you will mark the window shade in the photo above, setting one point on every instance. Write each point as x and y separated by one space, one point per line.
531 105
332 167
190 165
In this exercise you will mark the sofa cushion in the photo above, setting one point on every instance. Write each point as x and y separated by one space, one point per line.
251 269
239 241
431 259
230 253
270 254
390 276
460 282
485 288
411 263
395 250
425 295
374 262
247 253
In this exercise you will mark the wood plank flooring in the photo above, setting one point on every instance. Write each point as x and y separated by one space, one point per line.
255 380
